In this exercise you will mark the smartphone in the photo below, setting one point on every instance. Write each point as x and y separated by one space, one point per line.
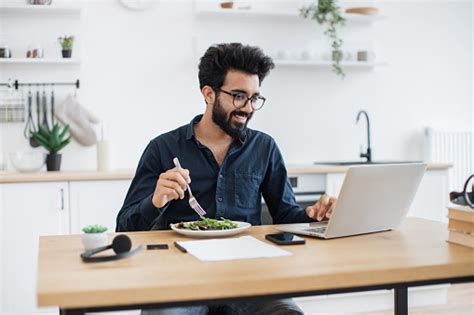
285 239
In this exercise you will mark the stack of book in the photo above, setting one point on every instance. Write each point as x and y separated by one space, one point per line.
461 225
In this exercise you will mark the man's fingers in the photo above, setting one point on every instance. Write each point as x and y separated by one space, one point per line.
177 177
324 200
329 213
170 193
183 172
311 211
170 184
323 207
164 196
332 204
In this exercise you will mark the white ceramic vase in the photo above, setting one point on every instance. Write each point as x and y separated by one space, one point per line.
103 156
94 240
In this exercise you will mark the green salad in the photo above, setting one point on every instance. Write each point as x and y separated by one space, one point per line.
206 224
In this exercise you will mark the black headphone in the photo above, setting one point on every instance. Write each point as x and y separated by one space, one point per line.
121 246
464 198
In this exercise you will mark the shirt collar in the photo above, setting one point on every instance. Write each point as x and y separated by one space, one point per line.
190 130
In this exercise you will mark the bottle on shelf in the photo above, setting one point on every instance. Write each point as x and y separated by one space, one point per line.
103 150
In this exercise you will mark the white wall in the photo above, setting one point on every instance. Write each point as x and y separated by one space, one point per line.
139 74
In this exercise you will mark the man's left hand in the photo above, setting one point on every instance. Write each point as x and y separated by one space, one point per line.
322 209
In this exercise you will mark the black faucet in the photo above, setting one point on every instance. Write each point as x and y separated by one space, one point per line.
368 154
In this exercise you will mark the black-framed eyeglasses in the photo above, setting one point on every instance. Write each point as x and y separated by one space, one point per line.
465 197
241 99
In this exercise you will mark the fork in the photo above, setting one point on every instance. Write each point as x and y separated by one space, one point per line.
192 201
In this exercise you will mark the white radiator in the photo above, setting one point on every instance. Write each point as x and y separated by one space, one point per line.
456 148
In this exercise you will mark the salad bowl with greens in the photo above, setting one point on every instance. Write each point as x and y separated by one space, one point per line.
206 227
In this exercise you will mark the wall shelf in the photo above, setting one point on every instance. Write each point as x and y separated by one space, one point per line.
287 12
324 63
39 10
215 11
47 61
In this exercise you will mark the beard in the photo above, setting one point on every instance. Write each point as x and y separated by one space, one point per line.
224 120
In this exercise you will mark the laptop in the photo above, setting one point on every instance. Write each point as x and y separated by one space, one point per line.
373 198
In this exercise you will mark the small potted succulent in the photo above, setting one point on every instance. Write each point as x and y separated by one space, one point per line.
94 236
53 140
66 44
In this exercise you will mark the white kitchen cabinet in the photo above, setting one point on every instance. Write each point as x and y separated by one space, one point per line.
96 202
28 210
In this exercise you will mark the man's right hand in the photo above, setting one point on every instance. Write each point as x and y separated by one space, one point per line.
170 186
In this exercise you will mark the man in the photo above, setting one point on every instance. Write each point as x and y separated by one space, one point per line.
231 166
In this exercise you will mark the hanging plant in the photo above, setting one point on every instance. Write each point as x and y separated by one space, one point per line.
327 12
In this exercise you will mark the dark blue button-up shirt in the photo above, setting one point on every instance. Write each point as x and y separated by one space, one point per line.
252 168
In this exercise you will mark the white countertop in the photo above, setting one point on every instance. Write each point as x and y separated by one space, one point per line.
127 174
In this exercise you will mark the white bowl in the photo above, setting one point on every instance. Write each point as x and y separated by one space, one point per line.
27 162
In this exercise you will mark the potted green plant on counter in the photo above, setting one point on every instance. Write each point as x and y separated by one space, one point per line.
66 43
327 12
53 140
94 236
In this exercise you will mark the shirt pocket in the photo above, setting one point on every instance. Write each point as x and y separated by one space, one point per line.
247 190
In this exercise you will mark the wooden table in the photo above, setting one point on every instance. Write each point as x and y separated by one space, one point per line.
416 254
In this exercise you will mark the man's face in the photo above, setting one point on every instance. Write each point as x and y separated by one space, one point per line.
231 120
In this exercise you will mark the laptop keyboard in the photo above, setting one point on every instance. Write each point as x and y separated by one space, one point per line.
319 230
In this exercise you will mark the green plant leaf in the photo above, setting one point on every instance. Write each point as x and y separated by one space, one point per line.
95 228
327 12
43 130
66 42
55 141
43 143
64 132
39 138
63 144
52 139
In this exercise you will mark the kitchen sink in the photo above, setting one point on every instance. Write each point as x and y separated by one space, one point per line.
343 163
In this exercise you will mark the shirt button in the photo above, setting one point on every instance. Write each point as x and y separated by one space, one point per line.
220 198
221 176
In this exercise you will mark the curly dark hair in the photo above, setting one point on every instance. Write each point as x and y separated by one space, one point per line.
218 59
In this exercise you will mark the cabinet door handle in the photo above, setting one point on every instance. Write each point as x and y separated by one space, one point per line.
62 198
